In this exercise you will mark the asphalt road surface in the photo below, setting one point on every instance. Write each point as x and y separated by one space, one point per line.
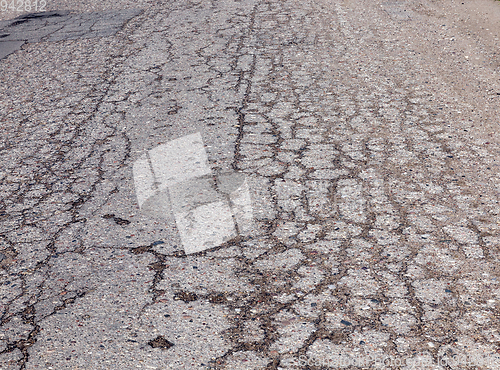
257 184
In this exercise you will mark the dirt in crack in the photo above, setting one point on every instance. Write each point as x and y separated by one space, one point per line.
160 342
117 220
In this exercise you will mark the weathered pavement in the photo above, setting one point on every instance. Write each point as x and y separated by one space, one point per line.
367 134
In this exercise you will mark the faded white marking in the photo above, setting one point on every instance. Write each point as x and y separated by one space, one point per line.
176 178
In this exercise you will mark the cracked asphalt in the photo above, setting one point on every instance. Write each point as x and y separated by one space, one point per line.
365 134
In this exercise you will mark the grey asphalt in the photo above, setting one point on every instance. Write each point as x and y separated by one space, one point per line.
248 185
